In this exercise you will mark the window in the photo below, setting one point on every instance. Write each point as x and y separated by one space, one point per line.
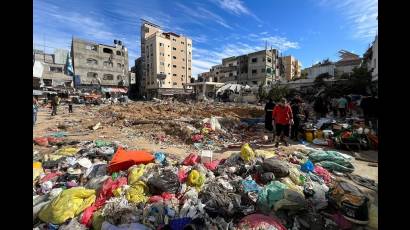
183 59
263 59
91 47
173 48
183 67
119 53
268 70
189 68
92 61
182 43
169 65
182 51
174 75
174 66
161 54
230 65
119 77
161 44
189 60
189 44
182 75
254 82
269 82
269 59
174 83
107 51
174 40
56 69
161 63
173 57
119 65
230 74
109 77
108 64
263 70
182 79
217 72
146 29
254 71
254 60
189 52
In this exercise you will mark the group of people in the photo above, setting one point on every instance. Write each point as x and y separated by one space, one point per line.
55 102
284 119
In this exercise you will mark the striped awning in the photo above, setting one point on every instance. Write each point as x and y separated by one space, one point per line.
113 90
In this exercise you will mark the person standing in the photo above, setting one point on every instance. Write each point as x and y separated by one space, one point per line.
35 110
70 106
342 105
283 118
297 112
54 104
320 107
334 107
268 115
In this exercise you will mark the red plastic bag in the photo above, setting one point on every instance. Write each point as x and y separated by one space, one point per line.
123 159
49 176
212 165
182 175
197 138
54 140
164 196
42 141
322 172
105 194
191 159
259 221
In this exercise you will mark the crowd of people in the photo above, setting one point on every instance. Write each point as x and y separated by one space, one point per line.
284 119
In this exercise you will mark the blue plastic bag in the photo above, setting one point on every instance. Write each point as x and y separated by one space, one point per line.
250 186
307 166
159 157
179 224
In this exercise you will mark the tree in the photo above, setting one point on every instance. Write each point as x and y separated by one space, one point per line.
277 92
303 75
262 92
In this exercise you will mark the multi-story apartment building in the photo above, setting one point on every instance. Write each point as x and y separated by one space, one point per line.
320 68
292 67
254 69
166 60
348 61
97 65
54 73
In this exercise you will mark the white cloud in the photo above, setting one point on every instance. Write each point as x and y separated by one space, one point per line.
361 15
280 43
199 38
199 14
236 7
264 32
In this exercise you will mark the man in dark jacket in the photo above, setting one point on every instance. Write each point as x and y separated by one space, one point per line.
297 112
268 115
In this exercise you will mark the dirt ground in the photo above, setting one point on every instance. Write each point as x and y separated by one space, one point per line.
113 117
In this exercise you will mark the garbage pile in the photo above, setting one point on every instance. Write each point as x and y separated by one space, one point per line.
105 185
349 134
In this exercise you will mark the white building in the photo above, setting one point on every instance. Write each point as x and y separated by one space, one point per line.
375 60
320 68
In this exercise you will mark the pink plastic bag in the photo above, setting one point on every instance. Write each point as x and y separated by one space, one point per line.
197 138
50 176
322 172
182 175
42 141
212 165
191 159
259 221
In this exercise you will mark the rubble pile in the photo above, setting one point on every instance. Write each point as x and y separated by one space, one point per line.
104 185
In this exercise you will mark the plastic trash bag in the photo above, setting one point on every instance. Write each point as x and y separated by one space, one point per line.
37 170
212 165
196 179
159 157
101 143
179 223
296 176
182 175
247 153
373 217
135 173
134 226
136 192
42 141
55 141
96 170
191 159
307 166
279 168
292 200
67 151
124 159
260 221
289 183
165 181
250 185
98 220
264 153
270 194
69 204
84 162
346 167
73 225
322 172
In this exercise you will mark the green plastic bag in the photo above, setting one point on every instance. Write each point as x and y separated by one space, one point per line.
101 143
98 220
68 204
344 167
271 193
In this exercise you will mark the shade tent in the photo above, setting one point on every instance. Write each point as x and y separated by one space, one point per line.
233 87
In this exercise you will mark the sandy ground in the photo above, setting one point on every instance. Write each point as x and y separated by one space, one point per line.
88 116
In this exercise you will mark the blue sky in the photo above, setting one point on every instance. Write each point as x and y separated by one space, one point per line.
310 30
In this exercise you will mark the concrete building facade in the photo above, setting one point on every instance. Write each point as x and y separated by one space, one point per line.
348 61
166 61
98 64
292 67
53 74
253 69
375 60
316 70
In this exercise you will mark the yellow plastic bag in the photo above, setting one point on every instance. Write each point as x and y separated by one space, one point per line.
295 176
37 169
67 151
195 179
136 193
135 173
68 204
288 182
264 153
247 153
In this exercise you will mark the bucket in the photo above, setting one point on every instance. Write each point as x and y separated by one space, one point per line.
319 134
309 136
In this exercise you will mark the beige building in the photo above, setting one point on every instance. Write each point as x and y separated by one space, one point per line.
348 61
98 65
253 69
166 61
292 67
